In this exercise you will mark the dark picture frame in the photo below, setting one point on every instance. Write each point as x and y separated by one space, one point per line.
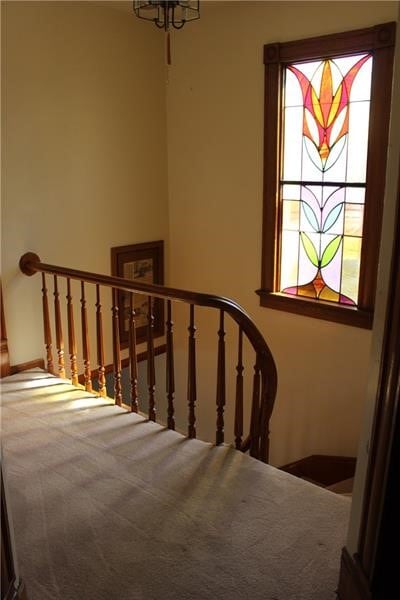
143 262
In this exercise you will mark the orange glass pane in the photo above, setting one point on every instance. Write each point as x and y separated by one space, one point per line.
329 295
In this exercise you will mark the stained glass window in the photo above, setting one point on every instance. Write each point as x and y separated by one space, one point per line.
326 123
326 106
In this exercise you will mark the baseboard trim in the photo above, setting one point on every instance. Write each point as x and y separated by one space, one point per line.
38 363
16 592
353 583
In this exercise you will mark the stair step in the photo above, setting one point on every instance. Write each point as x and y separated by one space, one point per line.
342 487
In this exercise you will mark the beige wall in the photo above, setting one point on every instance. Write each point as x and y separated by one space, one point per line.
84 137
215 149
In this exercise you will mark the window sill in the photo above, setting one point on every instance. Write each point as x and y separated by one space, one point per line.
347 315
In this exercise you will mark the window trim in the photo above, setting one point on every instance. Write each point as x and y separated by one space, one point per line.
379 41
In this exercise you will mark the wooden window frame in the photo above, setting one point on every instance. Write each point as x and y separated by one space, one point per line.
379 41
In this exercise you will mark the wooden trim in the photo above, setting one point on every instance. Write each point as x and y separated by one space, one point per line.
382 73
385 574
37 363
327 311
378 40
387 411
272 126
376 561
347 42
7 559
16 593
124 363
12 588
353 584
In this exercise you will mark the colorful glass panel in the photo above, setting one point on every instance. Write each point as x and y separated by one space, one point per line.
325 139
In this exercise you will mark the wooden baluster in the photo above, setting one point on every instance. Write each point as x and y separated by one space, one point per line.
85 341
71 335
219 438
239 393
132 356
151 372
255 413
170 367
191 384
264 423
46 327
116 350
59 331
100 346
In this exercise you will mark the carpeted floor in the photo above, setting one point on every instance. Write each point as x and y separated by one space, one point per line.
107 506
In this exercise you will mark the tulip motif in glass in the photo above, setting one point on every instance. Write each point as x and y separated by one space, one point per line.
322 188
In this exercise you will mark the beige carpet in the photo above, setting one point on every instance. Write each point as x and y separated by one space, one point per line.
110 507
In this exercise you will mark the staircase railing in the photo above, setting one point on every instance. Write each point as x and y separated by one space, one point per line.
264 376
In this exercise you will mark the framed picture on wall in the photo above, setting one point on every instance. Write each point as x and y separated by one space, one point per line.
143 263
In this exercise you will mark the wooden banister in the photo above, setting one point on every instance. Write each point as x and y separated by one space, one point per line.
265 376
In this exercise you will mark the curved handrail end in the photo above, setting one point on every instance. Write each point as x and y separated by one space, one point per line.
25 263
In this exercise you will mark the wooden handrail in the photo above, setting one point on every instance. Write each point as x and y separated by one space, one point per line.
30 264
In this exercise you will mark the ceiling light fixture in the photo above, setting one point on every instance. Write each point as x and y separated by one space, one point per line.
167 13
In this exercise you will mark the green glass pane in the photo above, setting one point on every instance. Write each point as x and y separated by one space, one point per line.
309 249
330 251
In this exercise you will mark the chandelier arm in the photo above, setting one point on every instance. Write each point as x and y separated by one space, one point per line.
175 26
165 11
